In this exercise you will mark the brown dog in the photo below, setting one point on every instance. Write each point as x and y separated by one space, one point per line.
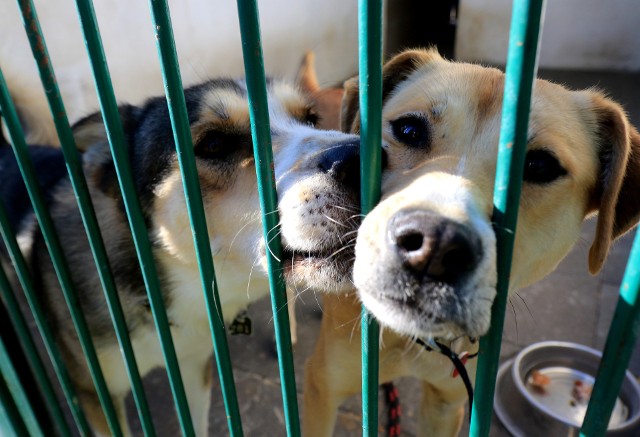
425 256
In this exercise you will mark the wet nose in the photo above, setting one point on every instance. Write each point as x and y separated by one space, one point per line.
434 246
342 163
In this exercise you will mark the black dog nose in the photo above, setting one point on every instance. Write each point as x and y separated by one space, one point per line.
429 244
342 162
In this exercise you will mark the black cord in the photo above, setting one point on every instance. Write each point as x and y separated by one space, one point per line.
459 365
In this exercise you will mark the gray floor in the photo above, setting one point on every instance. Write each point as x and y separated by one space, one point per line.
568 305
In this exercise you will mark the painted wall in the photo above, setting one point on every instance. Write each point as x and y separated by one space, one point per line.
208 45
580 34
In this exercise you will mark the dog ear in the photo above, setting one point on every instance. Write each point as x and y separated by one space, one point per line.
616 195
395 71
91 137
307 79
326 101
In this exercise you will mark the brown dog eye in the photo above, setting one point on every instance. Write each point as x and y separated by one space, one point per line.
311 118
215 145
411 130
542 167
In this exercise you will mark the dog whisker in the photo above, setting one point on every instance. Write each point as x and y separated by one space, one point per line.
334 221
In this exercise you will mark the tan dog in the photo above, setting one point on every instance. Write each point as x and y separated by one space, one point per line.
425 256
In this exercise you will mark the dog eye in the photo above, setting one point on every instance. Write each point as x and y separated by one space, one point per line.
542 167
411 130
215 145
311 118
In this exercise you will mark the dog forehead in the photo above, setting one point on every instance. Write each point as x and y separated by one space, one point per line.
224 104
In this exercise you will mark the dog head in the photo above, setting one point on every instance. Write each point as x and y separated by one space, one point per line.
316 177
426 256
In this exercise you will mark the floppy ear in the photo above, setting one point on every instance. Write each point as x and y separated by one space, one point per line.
395 71
616 196
91 137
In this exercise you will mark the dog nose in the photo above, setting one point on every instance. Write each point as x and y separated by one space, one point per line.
342 162
431 245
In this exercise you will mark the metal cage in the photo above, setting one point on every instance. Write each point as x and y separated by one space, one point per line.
17 415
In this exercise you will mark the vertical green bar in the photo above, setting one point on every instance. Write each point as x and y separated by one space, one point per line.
618 349
521 70
57 255
31 353
115 134
186 158
370 59
11 423
17 392
261 134
79 184
22 271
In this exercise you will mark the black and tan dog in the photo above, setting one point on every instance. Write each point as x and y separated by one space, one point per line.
316 174
425 255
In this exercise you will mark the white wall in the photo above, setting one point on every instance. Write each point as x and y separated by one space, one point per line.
208 44
580 34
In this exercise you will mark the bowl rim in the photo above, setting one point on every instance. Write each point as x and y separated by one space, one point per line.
520 386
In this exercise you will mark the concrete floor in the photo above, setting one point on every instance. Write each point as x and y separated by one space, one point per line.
569 305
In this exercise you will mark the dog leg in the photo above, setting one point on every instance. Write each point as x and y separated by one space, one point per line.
332 373
442 408
322 397
291 308
197 378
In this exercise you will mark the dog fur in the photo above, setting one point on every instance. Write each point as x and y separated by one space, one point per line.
317 198
441 125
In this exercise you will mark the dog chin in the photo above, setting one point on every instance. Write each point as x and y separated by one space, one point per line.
408 318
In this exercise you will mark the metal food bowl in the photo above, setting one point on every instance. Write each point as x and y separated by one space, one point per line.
545 390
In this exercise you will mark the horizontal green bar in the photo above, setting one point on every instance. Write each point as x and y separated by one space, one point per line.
621 341
79 184
520 74
57 255
17 392
31 352
370 60
261 134
115 134
184 144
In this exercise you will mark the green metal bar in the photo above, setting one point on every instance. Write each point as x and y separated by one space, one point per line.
115 134
370 59
520 74
31 353
57 255
11 423
22 272
618 349
261 134
184 145
19 396
79 184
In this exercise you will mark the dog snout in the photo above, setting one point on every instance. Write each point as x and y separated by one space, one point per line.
431 245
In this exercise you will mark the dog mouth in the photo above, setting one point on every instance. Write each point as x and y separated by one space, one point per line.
326 269
318 259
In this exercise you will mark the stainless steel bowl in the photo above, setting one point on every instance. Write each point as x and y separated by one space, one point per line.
544 390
